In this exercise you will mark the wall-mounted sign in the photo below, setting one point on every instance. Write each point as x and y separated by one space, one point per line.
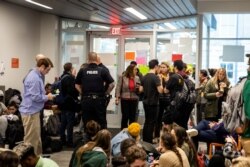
176 57
115 30
14 62
129 56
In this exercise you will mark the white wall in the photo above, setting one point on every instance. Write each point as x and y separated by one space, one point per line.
23 34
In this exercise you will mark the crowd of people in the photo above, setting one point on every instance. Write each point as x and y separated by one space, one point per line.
166 91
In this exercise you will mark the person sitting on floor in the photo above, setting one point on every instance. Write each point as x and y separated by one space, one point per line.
95 153
172 156
217 161
9 158
241 162
11 126
185 144
209 132
120 160
92 127
133 131
136 156
28 158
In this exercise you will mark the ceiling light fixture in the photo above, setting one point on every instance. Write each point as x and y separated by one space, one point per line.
136 13
169 25
39 4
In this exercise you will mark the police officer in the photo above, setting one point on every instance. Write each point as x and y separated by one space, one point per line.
100 64
90 82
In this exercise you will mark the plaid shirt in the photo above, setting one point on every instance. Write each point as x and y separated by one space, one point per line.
230 152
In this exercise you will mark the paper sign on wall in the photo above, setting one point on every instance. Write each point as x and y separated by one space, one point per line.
141 60
14 62
129 55
176 57
143 69
233 53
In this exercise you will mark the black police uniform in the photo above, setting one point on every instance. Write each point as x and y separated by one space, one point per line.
108 97
93 100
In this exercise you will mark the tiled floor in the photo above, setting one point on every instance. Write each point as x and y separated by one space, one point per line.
62 158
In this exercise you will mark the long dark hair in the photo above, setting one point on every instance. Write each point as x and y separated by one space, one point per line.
130 71
182 137
169 142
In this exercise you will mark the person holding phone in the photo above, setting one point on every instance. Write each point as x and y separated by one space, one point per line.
215 92
127 89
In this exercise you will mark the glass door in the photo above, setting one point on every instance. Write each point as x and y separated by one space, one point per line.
73 46
107 48
138 48
116 53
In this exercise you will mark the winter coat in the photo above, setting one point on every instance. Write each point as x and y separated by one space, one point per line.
211 109
122 88
93 158
232 109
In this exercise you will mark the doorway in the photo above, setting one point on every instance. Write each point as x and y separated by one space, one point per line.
116 53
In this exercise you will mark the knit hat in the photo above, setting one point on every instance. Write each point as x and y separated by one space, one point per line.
246 147
22 149
134 129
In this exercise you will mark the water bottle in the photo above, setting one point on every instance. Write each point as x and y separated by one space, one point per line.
150 158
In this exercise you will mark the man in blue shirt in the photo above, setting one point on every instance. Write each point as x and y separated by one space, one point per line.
33 101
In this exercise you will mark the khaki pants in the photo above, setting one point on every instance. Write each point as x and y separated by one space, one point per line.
32 131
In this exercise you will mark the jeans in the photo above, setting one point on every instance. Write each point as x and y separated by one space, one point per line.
205 134
151 112
67 123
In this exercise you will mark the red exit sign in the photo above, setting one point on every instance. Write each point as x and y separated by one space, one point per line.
115 31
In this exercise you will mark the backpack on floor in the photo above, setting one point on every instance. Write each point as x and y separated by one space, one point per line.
14 133
56 144
52 127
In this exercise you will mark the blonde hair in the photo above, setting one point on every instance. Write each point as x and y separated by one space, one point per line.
166 63
241 162
216 76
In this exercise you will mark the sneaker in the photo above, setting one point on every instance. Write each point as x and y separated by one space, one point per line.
192 132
